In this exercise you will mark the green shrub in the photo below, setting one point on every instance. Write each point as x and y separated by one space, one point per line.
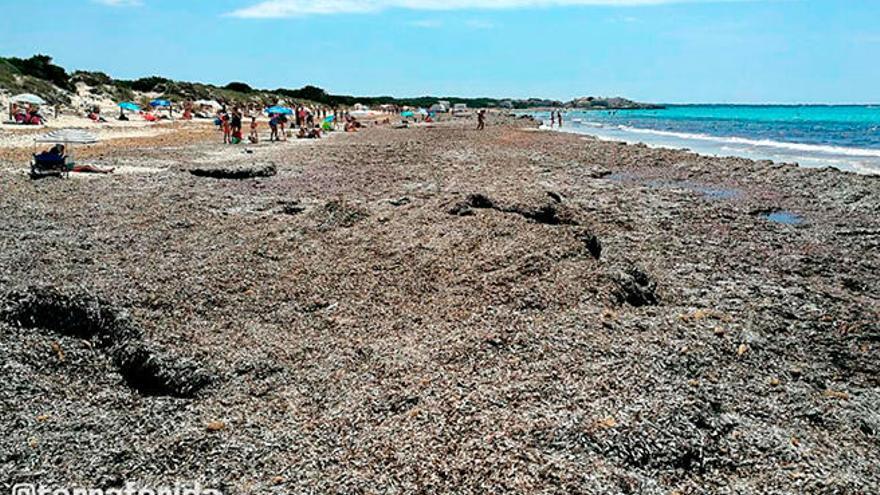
41 67
239 87
91 78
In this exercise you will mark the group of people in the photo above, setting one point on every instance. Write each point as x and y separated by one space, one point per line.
231 124
556 117
311 123
307 123
145 114
29 115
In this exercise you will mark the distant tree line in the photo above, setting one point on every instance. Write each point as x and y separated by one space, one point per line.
42 68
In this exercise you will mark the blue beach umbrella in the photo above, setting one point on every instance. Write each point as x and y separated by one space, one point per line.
279 110
330 119
127 105
407 114
160 103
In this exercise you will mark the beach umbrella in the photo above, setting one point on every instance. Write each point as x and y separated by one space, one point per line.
407 114
67 136
160 103
279 110
28 98
127 105
330 119
422 111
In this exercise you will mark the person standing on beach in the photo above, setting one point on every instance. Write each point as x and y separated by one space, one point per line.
552 118
254 136
236 125
481 119
559 116
227 128
282 123
273 125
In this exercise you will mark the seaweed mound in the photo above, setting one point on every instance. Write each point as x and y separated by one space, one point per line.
146 369
236 173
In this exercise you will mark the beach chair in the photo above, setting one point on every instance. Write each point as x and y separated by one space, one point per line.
46 165
49 166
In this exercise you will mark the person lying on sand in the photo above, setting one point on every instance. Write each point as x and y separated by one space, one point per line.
95 115
311 134
91 169
55 155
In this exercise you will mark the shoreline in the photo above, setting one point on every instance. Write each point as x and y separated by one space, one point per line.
438 309
862 160
837 158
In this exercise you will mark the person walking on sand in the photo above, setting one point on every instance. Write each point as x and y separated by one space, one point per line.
273 125
282 123
481 119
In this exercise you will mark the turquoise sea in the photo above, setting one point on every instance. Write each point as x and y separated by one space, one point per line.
845 137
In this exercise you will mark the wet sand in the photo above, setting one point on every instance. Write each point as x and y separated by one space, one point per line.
439 310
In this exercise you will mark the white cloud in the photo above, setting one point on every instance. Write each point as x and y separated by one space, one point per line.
120 3
293 8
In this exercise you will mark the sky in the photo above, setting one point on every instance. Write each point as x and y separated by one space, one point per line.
664 51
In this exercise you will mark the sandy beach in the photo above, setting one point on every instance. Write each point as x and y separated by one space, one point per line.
438 310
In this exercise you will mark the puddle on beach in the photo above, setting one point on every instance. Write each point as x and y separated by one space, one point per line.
619 177
710 193
718 194
784 217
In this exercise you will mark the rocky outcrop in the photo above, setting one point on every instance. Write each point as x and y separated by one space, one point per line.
616 103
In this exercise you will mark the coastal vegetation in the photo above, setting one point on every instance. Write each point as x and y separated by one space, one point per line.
39 75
